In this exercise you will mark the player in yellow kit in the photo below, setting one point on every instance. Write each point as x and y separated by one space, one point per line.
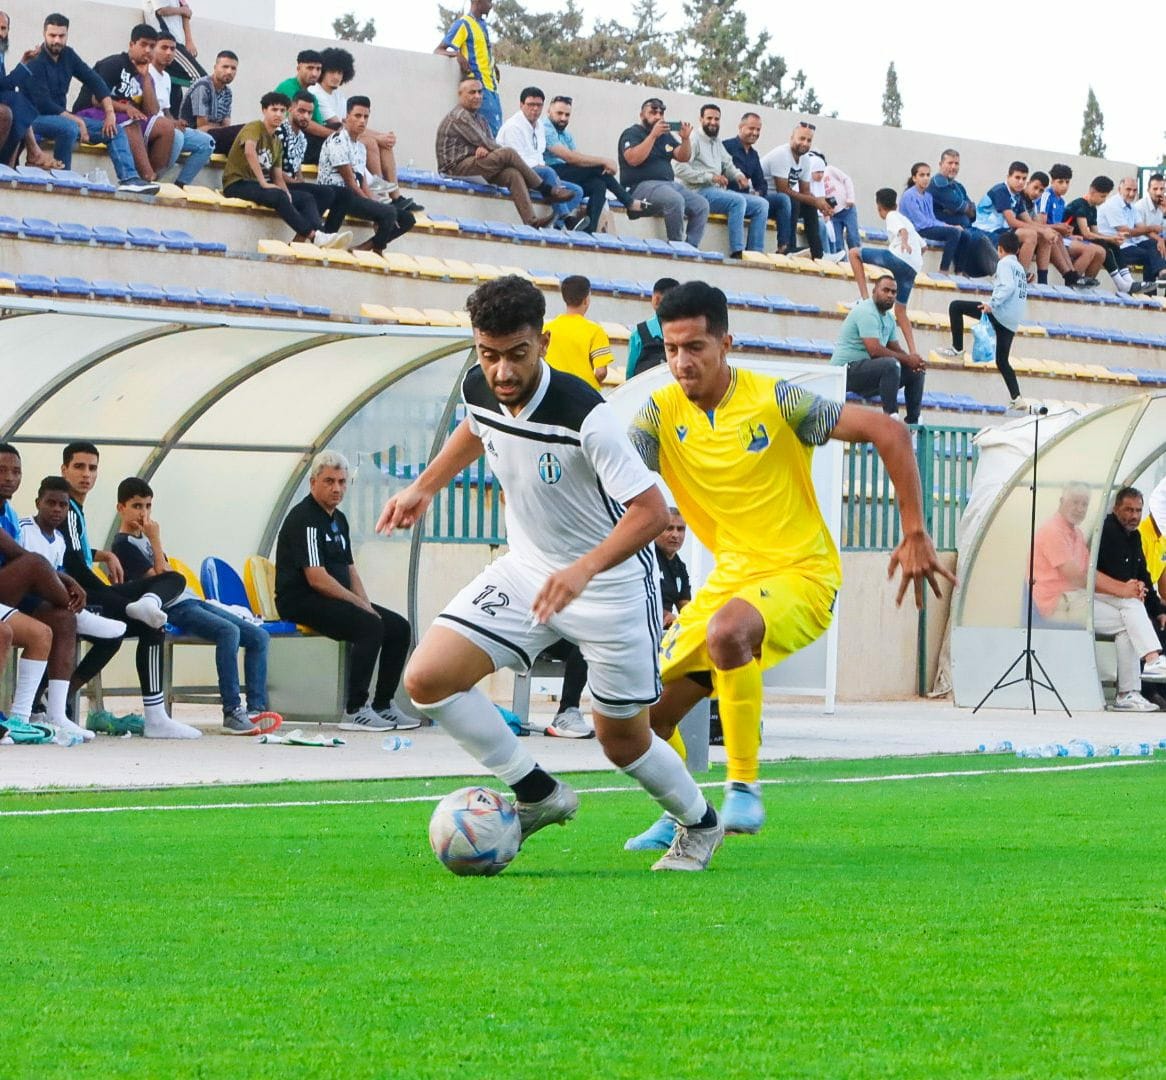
734 448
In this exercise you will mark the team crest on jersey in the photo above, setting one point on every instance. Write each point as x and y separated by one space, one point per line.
681 432
753 436
550 469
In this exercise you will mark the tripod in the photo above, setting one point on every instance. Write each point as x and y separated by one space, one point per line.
1028 655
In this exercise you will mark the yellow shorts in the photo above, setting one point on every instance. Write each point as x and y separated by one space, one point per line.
796 610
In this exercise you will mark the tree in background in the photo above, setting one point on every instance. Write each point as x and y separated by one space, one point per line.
892 99
1093 128
346 28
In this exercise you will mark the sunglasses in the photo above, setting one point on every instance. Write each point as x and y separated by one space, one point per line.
805 124
564 100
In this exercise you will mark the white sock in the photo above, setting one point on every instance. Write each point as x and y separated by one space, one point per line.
478 727
55 699
155 711
662 774
158 725
28 677
1123 280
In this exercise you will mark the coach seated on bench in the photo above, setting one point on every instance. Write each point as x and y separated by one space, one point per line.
317 586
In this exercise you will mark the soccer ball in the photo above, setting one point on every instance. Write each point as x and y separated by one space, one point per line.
475 831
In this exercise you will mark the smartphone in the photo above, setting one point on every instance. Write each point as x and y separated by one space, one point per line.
674 125
831 201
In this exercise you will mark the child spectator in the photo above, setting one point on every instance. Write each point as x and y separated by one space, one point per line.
1004 310
1048 208
577 345
918 206
903 256
138 546
814 167
1081 217
1034 194
1003 209
840 188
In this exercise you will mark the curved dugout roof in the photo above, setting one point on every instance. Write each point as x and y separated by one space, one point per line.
227 412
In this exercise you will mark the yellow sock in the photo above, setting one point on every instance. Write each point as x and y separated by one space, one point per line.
740 691
676 741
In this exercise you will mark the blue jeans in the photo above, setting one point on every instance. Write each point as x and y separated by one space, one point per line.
781 211
739 206
547 174
846 219
63 132
903 274
676 204
198 145
228 632
491 110
952 239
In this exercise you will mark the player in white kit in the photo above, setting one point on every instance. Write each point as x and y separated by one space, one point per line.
582 512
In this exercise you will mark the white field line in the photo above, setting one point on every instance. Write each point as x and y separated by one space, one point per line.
401 799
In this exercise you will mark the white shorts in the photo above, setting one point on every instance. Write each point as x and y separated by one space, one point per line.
6 612
617 626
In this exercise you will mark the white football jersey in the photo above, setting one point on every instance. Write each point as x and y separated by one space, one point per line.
32 539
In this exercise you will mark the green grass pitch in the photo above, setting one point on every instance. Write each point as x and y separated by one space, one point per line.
1011 924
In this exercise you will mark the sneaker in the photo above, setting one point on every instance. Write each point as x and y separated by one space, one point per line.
559 194
90 624
23 733
379 183
1155 670
646 209
103 722
66 727
332 239
692 848
397 719
166 727
404 205
949 351
1132 701
366 718
658 837
237 722
837 257
1087 282
742 811
137 186
1020 406
569 724
559 807
265 720
148 610
1142 287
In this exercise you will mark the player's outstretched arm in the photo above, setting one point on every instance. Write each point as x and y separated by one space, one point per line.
405 508
915 556
644 520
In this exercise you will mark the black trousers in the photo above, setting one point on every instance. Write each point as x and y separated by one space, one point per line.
808 213
388 222
575 675
956 311
384 635
329 200
595 184
296 206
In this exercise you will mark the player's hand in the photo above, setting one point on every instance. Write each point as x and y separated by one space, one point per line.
558 591
76 593
403 510
113 568
916 558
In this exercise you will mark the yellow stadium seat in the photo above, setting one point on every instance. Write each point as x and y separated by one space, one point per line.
832 269
1026 366
192 582
781 261
399 263
460 270
7 285
205 195
426 222
462 317
277 248
170 192
306 251
429 266
517 271
760 257
1032 331
340 257
259 582
440 317
379 312
616 332
409 316
370 260
486 271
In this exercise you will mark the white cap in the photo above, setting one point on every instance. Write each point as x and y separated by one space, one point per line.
815 162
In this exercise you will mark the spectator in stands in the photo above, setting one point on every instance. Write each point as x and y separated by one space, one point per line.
646 153
330 200
150 134
1046 193
138 546
1081 216
1060 566
575 344
742 149
198 144
784 165
138 604
308 64
844 220
953 207
468 41
342 164
254 171
1002 209
710 172
208 102
46 82
17 112
175 19
1058 253
466 147
917 205
876 364
595 175
646 345
903 256
1005 310
1125 603
1117 217
317 585
1151 209
525 135
814 168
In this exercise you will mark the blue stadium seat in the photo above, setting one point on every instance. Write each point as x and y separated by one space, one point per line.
39 228
35 283
73 286
176 236
501 230
220 581
626 287
807 309
70 179
181 294
214 297
878 235
660 247
110 234
284 305
535 272
9 226
473 226
248 301
607 242
75 232
110 290
581 240
780 303
602 285
634 243
146 290
522 231
8 175
142 237
30 174
554 237
317 311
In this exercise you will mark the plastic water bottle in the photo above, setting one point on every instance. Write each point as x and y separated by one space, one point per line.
67 738
1046 750
1139 749
1080 748
397 742
1162 744
1002 747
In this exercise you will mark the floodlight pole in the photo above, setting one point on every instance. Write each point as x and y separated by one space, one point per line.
1028 655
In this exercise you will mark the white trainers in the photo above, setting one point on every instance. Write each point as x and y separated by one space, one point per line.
366 718
332 239
570 724
399 721
949 352
1155 670
93 625
166 727
1132 701
1020 406
148 610
692 848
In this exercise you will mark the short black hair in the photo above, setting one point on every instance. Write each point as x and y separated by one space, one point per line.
165 35
663 285
574 288
886 198
1008 242
692 300
56 19
1061 172
359 99
1127 493
1154 177
52 483
1041 178
506 305
143 32
304 95
274 97
308 56
1017 166
1102 184
750 116
82 446
709 105
529 92
226 54
334 59
8 448
133 487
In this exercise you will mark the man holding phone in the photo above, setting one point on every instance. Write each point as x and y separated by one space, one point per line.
646 153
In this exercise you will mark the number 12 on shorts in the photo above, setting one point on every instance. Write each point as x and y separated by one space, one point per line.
490 600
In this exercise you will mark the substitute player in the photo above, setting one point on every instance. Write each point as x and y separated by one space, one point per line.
581 514
734 447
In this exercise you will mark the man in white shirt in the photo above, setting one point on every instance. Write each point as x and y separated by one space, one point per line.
784 165
198 144
1151 209
524 133
343 164
1118 217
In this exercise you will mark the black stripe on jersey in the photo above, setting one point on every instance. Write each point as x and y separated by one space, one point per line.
615 511
493 421
486 633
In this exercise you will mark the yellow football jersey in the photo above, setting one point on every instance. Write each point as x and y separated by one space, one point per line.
741 474
1153 547
578 346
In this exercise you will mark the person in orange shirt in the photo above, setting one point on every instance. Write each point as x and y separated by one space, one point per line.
578 346
1061 560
